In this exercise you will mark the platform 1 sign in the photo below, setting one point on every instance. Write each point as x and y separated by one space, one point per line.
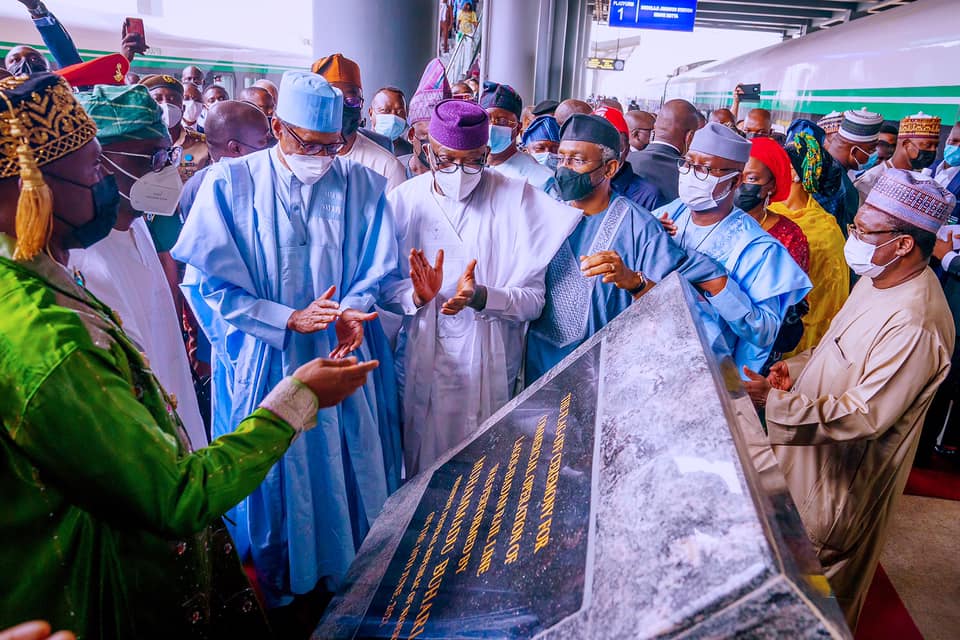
673 15
605 64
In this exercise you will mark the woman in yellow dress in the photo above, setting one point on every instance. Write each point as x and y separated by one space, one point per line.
828 268
466 21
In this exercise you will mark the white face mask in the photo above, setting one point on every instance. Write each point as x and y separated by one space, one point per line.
698 194
859 256
192 110
156 193
389 125
171 115
308 169
457 185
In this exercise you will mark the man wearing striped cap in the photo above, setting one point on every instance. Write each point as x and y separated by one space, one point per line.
916 150
830 123
844 418
852 145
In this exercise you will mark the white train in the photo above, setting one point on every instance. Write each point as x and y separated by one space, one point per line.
97 33
896 63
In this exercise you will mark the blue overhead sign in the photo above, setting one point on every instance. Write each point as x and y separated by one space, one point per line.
673 15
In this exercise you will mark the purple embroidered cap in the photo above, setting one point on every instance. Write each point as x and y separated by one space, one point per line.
460 125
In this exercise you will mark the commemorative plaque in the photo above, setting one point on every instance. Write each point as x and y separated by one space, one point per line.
615 498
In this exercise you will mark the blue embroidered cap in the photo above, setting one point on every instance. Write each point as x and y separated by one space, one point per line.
308 101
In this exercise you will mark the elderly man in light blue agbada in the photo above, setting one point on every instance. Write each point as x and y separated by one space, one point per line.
762 280
285 249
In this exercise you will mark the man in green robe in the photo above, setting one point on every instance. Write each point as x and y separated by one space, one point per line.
110 524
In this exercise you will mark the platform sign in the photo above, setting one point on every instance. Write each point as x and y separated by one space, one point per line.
605 64
671 15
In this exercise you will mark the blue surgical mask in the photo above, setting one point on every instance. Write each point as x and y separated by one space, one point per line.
871 161
951 154
500 138
389 125
547 159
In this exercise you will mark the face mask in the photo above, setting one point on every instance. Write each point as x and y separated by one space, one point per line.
23 68
748 196
106 205
192 110
951 154
500 138
547 159
202 118
389 125
859 256
871 161
457 185
698 194
155 192
575 186
351 120
308 169
923 160
170 114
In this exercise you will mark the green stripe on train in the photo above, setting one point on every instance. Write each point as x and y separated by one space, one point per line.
149 61
877 99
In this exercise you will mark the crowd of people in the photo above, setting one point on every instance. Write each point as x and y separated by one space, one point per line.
233 328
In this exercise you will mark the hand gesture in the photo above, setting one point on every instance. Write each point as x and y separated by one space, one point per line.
35 630
31 5
738 90
943 247
668 225
349 329
610 265
757 387
317 316
779 377
132 44
466 287
427 280
334 380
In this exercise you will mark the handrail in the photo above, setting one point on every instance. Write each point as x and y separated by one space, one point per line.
461 60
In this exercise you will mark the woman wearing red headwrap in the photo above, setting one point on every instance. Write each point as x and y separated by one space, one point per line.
766 179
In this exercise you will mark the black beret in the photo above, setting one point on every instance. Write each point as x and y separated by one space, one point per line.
591 128
502 96
547 107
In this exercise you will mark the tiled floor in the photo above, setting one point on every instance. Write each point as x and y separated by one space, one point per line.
922 558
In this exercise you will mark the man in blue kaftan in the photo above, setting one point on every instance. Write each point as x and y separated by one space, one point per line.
274 239
762 279
615 254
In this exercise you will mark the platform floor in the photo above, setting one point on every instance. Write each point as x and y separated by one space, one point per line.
922 558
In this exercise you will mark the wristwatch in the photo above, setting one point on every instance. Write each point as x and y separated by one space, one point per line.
640 287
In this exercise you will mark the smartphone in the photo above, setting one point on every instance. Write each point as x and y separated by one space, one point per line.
751 92
133 25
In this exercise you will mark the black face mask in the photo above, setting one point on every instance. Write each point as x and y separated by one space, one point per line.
351 120
422 157
106 206
923 160
573 185
748 196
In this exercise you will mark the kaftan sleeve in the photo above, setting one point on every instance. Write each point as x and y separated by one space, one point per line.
218 275
116 461
898 368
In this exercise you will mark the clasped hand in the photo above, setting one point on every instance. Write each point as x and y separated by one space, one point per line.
428 280
610 265
759 387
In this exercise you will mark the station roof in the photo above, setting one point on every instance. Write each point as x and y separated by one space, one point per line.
790 18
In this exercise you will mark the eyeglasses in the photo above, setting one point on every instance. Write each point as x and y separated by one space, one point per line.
159 159
272 143
504 122
702 171
354 102
856 233
446 165
314 148
573 161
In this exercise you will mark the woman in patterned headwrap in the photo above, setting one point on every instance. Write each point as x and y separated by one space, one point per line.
813 173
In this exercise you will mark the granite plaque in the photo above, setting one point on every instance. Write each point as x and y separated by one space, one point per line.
615 498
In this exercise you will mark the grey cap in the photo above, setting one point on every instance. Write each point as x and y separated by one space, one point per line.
717 140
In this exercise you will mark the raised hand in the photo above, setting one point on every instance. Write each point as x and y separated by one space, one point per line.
317 316
334 380
427 279
757 387
349 329
610 265
466 287
779 377
132 44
